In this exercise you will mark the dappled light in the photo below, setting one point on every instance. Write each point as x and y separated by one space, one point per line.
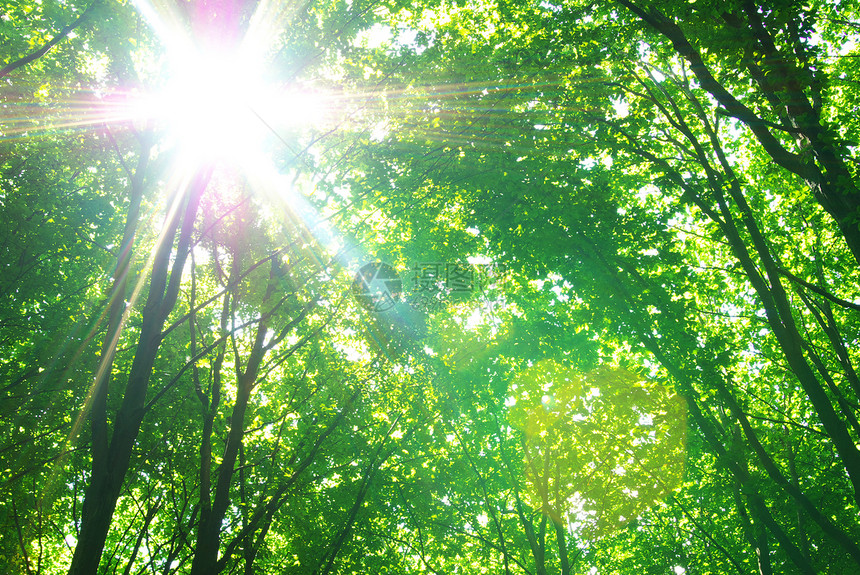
600 447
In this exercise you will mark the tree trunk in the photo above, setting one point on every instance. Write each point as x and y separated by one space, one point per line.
110 468
825 173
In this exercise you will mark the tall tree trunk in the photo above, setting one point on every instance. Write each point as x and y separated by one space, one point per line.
109 468
710 429
116 309
773 296
754 528
205 561
206 552
375 463
263 515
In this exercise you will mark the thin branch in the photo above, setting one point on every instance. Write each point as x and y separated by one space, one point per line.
12 66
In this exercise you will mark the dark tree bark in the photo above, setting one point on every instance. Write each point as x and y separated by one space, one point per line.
727 207
263 515
110 465
821 164
206 552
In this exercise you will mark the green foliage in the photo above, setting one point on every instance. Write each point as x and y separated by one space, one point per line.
655 373
600 448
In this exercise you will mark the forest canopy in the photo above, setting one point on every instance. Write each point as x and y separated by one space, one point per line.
456 286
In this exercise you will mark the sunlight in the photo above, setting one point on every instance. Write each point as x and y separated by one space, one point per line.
219 104
206 107
215 108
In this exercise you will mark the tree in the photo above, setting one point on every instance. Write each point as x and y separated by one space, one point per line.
622 337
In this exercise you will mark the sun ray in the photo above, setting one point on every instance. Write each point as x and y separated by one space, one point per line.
268 21
167 22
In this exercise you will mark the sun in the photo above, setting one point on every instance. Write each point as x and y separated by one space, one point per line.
206 110
208 104
216 108
220 102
